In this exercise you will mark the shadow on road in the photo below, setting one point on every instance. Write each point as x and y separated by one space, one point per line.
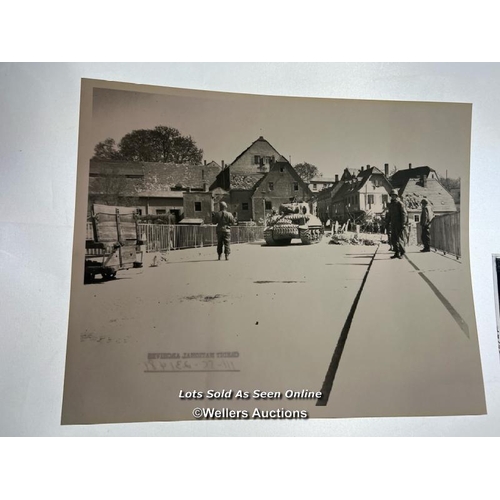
102 281
192 261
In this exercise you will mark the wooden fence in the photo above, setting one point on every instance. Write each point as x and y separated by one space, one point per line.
445 234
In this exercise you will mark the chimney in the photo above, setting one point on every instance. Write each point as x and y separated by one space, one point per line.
204 162
386 169
423 180
367 167
362 168
409 166
222 163
336 177
205 187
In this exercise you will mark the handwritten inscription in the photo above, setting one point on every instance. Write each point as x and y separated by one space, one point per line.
192 362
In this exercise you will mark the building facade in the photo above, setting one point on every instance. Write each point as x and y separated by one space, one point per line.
281 184
153 188
364 190
241 176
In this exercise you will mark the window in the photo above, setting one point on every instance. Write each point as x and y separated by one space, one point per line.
417 218
271 186
371 199
244 206
295 186
160 211
385 199
269 205
282 169
256 160
197 206
139 211
315 187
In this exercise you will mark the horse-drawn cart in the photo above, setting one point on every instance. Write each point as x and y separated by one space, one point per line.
113 242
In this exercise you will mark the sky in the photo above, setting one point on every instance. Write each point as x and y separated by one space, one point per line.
330 133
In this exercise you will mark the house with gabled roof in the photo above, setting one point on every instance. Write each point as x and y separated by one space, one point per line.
414 184
240 177
364 190
280 185
248 167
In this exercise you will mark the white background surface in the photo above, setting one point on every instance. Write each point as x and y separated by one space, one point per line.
39 114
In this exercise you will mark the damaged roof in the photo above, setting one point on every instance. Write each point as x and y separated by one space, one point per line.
414 191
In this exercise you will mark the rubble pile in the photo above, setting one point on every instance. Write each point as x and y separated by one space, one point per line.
346 239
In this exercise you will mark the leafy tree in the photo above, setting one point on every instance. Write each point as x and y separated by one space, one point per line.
161 144
307 171
106 150
449 183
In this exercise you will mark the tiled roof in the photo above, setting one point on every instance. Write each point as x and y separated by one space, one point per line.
98 167
161 194
157 176
440 199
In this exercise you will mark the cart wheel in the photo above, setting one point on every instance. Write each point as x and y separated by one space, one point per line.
108 275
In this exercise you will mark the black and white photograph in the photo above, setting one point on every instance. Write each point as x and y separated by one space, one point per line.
269 257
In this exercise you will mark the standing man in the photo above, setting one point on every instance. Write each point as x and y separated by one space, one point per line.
398 219
387 224
426 218
224 221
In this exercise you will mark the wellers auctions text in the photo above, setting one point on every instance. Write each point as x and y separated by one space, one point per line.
227 413
256 394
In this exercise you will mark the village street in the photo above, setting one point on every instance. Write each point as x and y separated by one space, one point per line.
369 331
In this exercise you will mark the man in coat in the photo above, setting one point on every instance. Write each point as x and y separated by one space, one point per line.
224 221
398 220
426 218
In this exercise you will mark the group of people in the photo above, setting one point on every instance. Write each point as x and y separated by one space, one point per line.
396 219
396 222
